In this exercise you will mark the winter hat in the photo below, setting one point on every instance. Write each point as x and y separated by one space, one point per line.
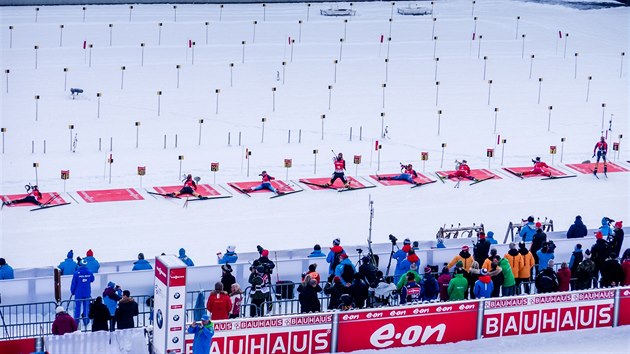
599 235
578 246
530 219
459 264
483 271
182 252
89 253
111 284
587 253
550 263
407 241
444 270
83 262
336 242
415 244
205 317
521 245
60 309
2 261
482 235
490 234
538 225
227 268
493 251
465 248
427 270
343 256
413 266
317 247
140 255
619 224
578 217
512 245
336 280
70 254
231 248
264 253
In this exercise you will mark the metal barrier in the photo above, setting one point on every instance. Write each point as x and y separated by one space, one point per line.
27 320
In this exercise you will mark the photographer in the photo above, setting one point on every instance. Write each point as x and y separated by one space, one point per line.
605 228
260 290
204 332
368 271
264 260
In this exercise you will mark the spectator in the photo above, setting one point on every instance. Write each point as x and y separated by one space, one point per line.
578 229
574 262
509 283
204 332
458 286
6 271
488 261
99 313
625 265
545 254
516 263
312 271
335 290
415 245
616 240
564 277
599 253
411 292
430 287
585 272
528 230
81 288
309 301
403 279
346 303
111 295
496 274
230 256
465 257
345 270
68 266
525 274
483 286
141 263
63 323
473 275
440 243
400 255
368 271
490 238
227 279
605 228
333 257
538 240
383 290
127 309
92 263
612 272
547 280
185 259
481 248
264 261
443 281
219 304
260 290
236 296
317 252
412 258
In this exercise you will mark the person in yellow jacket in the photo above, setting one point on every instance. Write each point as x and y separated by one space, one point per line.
515 259
466 260
488 262
525 273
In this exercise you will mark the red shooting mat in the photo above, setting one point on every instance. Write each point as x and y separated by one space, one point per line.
515 170
478 174
338 184
45 197
204 189
110 195
587 168
420 179
278 185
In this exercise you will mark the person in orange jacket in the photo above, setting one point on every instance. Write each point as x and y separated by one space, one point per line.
515 259
525 273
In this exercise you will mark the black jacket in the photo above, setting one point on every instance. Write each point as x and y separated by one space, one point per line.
547 281
616 241
577 230
309 302
612 273
480 251
99 313
599 252
127 309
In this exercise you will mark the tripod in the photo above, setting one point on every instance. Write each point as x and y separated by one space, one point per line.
391 254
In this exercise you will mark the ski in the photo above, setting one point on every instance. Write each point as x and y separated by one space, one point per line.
481 180
353 188
286 193
164 195
240 190
208 198
519 175
559 177
49 206
318 185
442 178
422 184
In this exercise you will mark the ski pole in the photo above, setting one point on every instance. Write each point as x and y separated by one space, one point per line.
69 300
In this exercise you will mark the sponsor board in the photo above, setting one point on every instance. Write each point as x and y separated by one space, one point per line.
624 307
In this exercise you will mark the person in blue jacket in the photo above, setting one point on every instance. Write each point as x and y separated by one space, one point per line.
528 230
605 228
400 256
317 252
430 287
111 295
141 263
184 258
230 255
578 229
343 272
204 332
483 286
545 254
490 238
6 271
68 266
81 288
92 263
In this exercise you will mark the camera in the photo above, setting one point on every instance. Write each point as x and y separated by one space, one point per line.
393 239
359 251
609 220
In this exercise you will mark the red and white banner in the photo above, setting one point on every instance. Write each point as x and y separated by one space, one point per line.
624 307
548 313
407 326
307 334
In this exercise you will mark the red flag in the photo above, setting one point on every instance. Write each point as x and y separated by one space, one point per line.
382 37
376 146
246 154
473 37
190 43
84 44
289 40
560 34
498 139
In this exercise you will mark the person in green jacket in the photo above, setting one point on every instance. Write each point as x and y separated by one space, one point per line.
403 278
457 286
508 287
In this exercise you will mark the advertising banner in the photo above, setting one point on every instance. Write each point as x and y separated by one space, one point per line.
624 307
169 305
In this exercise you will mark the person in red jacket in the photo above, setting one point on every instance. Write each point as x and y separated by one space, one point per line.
266 184
564 277
340 168
443 280
190 187
540 168
463 171
601 148
34 196
219 303
63 323
625 265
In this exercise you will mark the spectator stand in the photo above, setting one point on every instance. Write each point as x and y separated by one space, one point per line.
459 231
547 226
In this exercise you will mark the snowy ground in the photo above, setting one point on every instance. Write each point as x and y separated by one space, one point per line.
120 230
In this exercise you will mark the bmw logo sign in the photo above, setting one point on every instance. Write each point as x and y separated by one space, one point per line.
175 340
176 318
159 318
176 295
